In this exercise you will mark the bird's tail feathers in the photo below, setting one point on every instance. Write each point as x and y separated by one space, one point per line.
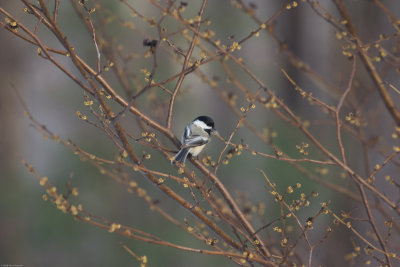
181 155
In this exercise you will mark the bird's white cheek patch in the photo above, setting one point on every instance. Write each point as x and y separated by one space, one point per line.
201 124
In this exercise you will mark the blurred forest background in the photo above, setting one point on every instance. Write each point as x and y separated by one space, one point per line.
305 42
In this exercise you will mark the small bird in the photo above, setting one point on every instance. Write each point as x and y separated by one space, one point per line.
197 134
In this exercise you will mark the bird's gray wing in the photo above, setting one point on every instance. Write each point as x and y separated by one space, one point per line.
186 134
195 140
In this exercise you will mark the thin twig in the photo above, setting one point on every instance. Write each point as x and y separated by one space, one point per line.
376 78
184 65
338 108
55 12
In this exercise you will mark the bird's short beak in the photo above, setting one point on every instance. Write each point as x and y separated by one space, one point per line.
214 132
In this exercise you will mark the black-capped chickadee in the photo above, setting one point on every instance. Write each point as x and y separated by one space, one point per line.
197 134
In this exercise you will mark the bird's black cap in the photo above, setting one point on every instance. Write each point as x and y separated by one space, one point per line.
207 120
